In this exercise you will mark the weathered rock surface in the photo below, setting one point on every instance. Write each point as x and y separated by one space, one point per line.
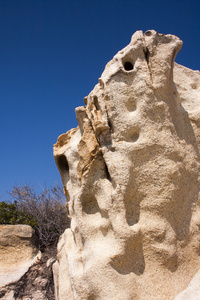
130 172
192 292
18 251
35 284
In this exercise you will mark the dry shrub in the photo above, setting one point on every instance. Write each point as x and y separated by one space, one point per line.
48 209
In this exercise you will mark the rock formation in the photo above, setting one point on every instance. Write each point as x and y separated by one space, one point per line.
24 272
130 172
18 251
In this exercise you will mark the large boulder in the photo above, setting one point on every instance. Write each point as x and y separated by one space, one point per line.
18 251
130 172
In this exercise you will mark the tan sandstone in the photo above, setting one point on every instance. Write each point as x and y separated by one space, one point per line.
130 172
18 251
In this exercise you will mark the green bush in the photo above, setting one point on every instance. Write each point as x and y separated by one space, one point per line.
9 214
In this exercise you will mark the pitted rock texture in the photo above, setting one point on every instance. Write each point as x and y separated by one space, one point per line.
130 172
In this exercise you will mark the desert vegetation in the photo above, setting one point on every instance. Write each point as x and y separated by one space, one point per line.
46 212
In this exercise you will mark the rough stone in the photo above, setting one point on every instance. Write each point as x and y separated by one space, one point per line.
130 172
192 292
9 296
18 251
50 262
35 284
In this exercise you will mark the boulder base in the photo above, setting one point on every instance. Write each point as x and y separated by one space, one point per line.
18 251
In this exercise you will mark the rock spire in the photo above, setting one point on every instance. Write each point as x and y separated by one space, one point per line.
130 172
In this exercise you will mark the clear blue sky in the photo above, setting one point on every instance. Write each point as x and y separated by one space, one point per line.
52 54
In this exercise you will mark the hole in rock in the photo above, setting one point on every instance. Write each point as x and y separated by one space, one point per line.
90 205
135 137
128 66
131 105
64 169
96 103
63 164
148 33
110 124
132 134
147 54
194 86
107 173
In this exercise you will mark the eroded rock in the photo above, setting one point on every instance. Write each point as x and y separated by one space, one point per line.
18 251
35 284
130 172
